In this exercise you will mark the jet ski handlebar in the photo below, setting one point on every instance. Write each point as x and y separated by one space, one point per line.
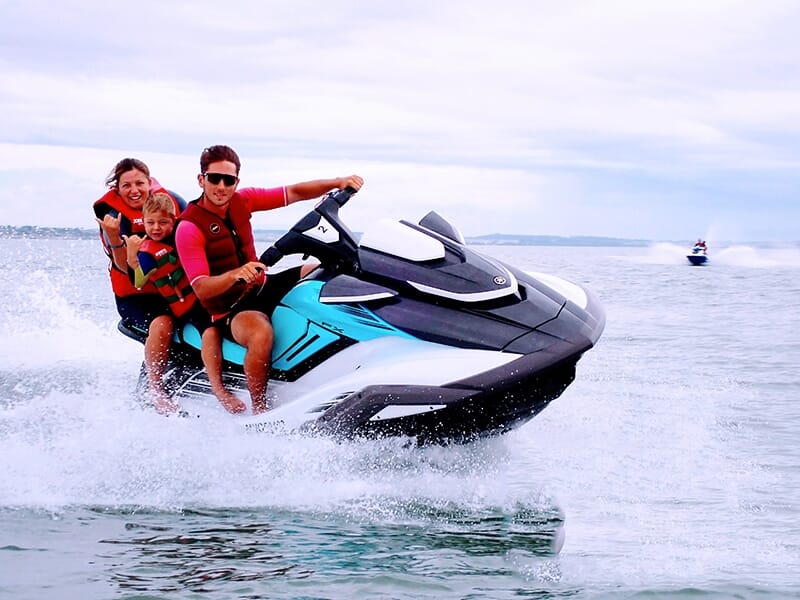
311 235
342 196
270 256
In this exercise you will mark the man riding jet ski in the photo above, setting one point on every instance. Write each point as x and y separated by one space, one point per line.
407 332
699 254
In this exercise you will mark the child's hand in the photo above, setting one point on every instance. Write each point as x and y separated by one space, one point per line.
132 245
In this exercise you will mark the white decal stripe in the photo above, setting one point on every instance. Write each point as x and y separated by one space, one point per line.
566 288
354 298
395 411
510 288
323 231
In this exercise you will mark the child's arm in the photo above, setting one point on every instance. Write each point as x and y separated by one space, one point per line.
140 277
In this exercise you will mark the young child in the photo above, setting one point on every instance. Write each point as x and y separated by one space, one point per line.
154 258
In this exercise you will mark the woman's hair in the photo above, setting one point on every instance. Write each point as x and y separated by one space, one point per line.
214 154
159 202
122 167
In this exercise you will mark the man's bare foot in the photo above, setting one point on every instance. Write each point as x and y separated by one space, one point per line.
164 405
260 406
231 403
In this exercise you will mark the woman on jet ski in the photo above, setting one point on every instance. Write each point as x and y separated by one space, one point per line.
119 213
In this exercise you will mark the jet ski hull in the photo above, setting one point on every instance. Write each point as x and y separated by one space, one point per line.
698 255
508 398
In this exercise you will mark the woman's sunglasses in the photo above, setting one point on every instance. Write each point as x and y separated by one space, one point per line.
215 178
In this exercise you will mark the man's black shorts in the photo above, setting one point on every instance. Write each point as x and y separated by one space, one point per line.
263 299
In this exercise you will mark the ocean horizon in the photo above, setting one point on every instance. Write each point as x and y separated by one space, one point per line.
492 239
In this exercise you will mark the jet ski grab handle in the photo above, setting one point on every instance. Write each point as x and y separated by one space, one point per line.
296 240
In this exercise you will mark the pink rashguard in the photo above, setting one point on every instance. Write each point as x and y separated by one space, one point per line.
191 242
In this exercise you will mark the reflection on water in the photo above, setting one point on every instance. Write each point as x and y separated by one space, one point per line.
206 551
157 558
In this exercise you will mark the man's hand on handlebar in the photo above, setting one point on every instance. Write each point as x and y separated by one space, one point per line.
353 181
251 272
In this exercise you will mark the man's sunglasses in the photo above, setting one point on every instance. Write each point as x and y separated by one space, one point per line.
215 178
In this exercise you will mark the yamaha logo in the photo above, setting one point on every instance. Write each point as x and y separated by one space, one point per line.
214 228
500 280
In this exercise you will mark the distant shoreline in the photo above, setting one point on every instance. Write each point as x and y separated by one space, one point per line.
77 233
495 239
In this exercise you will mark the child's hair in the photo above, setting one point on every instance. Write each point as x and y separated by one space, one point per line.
159 202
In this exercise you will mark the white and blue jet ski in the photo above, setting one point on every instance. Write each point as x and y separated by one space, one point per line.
405 332
698 255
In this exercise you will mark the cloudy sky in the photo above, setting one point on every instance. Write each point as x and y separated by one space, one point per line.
656 119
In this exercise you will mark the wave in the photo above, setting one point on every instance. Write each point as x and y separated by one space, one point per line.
666 253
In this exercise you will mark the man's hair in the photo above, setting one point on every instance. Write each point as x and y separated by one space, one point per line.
214 154
159 202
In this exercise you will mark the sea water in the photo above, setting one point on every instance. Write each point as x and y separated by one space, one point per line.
669 468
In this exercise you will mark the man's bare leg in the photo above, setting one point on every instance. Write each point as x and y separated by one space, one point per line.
211 353
253 330
306 268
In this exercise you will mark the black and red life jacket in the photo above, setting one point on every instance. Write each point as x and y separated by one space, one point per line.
229 243
169 277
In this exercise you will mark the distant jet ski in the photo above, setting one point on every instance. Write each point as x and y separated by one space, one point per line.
407 332
699 254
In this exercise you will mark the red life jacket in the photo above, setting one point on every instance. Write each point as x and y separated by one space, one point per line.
229 243
169 276
132 223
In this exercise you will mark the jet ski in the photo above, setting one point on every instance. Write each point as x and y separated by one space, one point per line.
406 331
698 255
